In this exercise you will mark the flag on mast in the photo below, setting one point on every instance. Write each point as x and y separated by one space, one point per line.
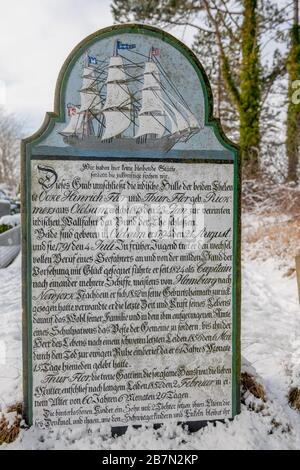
92 60
155 51
71 110
122 45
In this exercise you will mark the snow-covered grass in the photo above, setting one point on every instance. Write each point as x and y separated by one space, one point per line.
12 220
10 336
271 222
270 343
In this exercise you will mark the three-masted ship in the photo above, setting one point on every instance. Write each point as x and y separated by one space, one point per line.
128 105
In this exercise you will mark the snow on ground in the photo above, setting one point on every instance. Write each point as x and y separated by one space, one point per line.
10 334
12 220
270 342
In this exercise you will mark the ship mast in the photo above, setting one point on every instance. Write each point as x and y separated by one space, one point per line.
152 115
186 123
75 125
160 114
90 102
117 107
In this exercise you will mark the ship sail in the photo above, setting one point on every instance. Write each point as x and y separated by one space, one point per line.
75 125
115 123
179 123
117 107
152 116
112 101
193 123
185 120
89 94
149 124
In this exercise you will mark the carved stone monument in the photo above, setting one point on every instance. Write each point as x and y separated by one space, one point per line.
131 242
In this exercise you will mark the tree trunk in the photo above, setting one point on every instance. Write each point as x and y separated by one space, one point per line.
219 87
250 91
293 114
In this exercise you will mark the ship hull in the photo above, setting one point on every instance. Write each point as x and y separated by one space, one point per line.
163 144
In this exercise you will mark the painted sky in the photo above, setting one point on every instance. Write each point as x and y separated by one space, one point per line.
35 38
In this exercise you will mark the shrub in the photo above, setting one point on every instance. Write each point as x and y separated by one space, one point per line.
4 228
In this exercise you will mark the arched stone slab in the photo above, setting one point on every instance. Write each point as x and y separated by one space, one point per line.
142 325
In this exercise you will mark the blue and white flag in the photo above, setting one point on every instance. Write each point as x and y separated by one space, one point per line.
121 45
92 60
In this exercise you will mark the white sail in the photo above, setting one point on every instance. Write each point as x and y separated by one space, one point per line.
89 101
117 96
159 114
116 122
182 123
116 71
117 93
193 123
174 128
151 76
97 106
117 105
149 124
88 78
152 101
116 61
74 126
152 116
89 94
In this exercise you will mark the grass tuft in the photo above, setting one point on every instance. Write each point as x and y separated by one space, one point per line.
251 385
10 425
294 398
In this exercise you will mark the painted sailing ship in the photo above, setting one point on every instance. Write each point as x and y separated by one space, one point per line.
128 105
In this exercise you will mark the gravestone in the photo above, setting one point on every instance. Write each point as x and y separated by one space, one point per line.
131 242
4 208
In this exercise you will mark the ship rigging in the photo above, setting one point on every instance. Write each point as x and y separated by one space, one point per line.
128 104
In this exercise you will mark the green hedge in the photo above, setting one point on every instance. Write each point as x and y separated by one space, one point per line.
4 228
